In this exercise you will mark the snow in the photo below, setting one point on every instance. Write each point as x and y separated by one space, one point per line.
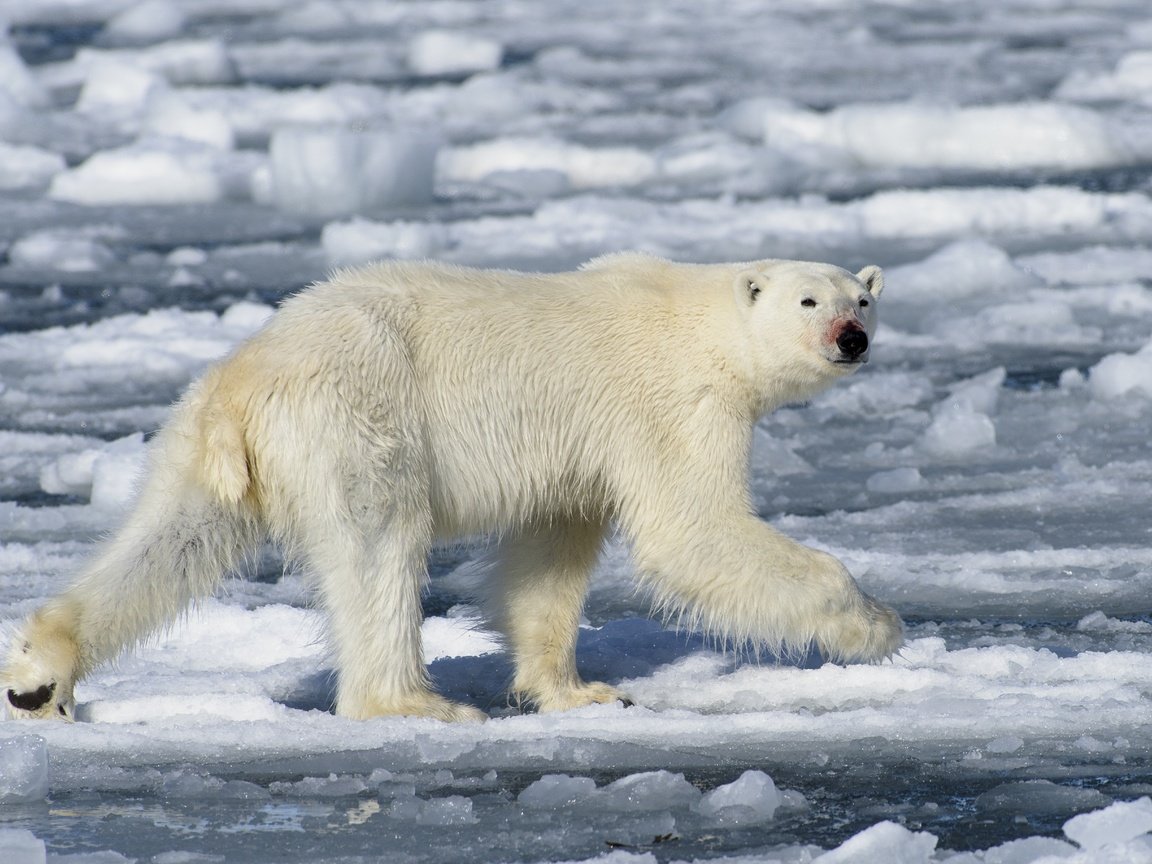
171 169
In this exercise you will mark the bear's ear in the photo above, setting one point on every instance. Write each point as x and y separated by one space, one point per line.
873 279
749 285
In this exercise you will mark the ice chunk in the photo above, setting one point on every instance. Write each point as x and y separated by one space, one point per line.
23 769
1025 851
878 393
22 847
965 268
106 856
172 115
556 791
961 423
1098 622
188 784
442 52
895 481
361 240
776 456
115 472
1130 79
1090 744
884 841
980 393
1095 265
186 256
107 474
453 810
245 317
1118 375
733 166
747 117
751 797
16 82
60 249
27 167
1038 322
1118 823
457 636
150 21
650 790
958 431
986 137
70 474
115 86
1039 797
584 167
184 61
949 212
181 857
156 172
332 786
1005 744
327 172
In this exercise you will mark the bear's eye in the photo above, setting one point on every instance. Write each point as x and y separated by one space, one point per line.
808 301
863 303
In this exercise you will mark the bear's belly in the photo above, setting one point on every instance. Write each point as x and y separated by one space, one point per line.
506 483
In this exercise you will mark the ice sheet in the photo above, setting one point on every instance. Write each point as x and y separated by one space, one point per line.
170 169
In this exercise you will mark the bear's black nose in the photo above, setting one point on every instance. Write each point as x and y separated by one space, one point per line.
852 343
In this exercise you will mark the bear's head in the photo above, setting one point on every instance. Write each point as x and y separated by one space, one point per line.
809 322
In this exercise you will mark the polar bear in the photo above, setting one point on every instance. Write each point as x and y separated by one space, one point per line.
403 403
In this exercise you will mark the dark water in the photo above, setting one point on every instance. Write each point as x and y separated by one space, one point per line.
249 819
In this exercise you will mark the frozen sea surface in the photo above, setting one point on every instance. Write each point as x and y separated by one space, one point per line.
169 169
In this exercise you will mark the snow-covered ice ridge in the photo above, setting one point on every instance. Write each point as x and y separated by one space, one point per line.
170 168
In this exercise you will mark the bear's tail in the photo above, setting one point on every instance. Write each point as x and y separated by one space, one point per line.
193 522
218 429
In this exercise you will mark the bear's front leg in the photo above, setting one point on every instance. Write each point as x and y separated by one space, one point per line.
541 582
735 576
856 626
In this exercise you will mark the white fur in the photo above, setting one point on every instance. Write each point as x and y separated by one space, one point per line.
402 403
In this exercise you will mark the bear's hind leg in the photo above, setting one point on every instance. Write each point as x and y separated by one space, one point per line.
43 665
371 587
540 586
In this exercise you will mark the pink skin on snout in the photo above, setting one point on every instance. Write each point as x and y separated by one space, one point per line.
838 328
